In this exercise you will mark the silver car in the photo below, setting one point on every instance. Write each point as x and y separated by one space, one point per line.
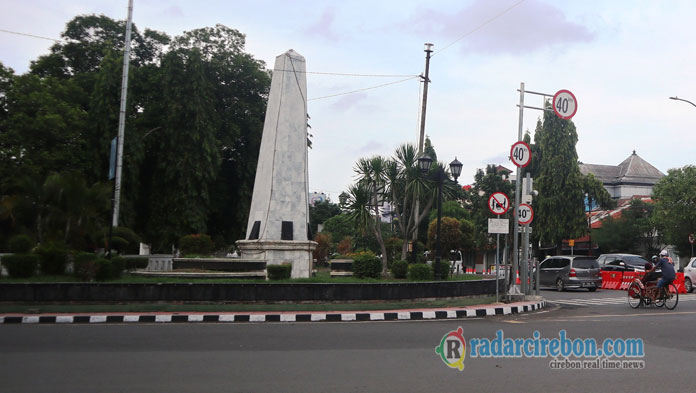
690 275
574 271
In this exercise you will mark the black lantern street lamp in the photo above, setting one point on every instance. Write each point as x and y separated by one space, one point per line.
424 163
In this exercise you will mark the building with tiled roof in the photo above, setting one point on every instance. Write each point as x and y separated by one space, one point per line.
634 176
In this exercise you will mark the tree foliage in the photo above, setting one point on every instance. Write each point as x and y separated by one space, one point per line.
632 232
559 208
195 110
675 210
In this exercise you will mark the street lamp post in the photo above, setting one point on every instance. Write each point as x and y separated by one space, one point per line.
681 99
424 163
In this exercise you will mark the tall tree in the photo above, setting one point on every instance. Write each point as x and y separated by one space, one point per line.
675 212
189 157
559 208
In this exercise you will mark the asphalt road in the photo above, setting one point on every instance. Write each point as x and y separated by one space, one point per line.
347 357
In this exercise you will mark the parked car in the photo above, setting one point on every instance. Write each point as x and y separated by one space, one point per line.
574 271
622 262
690 275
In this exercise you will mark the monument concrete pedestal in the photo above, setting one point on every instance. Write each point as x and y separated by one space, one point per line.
278 227
277 252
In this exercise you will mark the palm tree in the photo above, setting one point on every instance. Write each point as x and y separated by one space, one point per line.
372 177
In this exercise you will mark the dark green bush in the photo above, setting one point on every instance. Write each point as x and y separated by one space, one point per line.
133 246
132 263
399 269
279 272
20 265
20 244
117 266
119 244
53 258
420 272
366 264
441 269
85 266
104 269
195 244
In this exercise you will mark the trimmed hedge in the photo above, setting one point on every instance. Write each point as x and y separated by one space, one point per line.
20 244
52 259
20 265
367 265
420 271
131 238
399 269
441 269
195 244
132 263
279 272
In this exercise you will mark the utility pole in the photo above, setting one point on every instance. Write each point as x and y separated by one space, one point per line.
122 116
421 141
121 128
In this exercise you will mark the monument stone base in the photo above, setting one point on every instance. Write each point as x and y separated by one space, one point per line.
277 252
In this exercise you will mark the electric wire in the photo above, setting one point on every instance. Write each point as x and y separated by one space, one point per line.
475 29
364 89
30 35
348 74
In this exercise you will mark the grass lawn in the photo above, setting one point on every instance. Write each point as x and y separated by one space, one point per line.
150 307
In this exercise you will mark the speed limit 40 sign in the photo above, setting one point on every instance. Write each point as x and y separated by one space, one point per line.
521 154
564 104
525 214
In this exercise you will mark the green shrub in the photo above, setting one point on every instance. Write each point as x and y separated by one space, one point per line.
104 269
399 269
20 244
119 244
117 266
20 265
420 272
279 272
132 263
85 266
132 239
366 264
53 258
441 269
195 244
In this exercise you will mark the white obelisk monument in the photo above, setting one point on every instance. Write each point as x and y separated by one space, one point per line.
278 225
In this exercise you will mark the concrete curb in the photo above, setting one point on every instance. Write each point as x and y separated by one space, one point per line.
391 315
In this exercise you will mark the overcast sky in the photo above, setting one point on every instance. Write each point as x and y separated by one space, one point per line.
621 59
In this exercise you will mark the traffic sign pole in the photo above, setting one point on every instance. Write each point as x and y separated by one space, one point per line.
518 185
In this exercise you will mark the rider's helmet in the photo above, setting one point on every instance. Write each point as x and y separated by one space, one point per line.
654 258
664 253
648 266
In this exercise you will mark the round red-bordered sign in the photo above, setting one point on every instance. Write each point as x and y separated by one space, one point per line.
520 154
691 238
565 104
498 203
525 214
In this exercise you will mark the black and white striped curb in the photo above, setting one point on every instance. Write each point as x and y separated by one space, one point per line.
274 317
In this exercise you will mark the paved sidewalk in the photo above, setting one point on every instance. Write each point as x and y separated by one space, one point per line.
288 316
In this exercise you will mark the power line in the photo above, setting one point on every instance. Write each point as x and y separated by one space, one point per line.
347 74
480 26
367 88
30 35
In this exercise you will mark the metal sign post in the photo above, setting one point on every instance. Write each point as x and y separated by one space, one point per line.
565 105
498 226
